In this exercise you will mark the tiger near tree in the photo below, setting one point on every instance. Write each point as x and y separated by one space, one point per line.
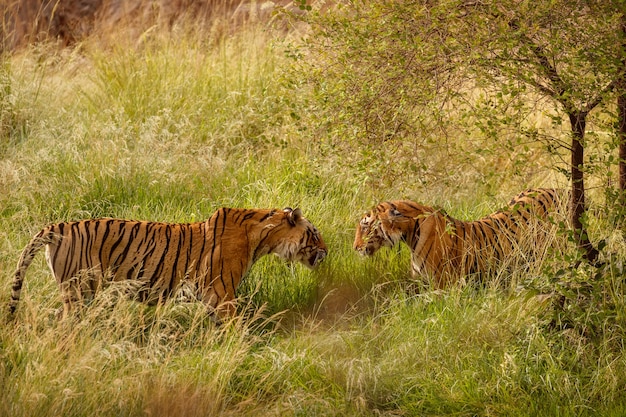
211 256
444 249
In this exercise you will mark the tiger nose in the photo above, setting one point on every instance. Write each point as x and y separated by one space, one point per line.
363 249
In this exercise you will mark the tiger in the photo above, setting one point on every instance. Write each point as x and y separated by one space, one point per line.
444 249
211 257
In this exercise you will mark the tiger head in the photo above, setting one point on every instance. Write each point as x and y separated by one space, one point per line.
378 228
294 238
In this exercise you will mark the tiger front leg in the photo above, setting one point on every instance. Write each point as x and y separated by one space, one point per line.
220 309
430 277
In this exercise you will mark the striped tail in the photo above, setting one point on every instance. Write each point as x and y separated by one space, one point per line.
28 254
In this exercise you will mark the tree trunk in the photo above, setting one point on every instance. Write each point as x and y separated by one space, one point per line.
621 109
578 121
621 117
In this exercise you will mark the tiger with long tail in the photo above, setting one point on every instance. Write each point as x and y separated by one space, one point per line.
444 249
212 256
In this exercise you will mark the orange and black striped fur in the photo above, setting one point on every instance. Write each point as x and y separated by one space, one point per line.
213 256
445 249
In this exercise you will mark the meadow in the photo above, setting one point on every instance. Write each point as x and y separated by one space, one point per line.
176 125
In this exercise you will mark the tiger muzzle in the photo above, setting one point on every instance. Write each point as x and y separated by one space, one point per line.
364 250
317 258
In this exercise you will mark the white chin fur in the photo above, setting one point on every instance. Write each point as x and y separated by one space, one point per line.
287 250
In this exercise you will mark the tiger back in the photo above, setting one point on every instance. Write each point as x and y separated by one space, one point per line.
213 256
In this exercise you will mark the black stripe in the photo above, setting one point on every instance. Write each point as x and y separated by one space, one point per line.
496 238
149 239
181 237
132 233
215 221
413 206
222 276
226 213
105 235
121 234
265 217
487 240
232 282
68 270
475 247
416 233
88 244
501 234
189 252
236 215
203 237
161 264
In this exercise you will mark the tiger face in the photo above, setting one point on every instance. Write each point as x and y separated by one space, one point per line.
376 230
388 224
296 239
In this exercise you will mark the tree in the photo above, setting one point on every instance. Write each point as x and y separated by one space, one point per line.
621 109
577 69
402 66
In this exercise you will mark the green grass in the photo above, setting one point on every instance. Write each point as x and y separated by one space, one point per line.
176 128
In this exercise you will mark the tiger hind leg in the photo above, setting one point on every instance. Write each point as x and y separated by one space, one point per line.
79 291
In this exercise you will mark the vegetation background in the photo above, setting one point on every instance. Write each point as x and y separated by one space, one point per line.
167 116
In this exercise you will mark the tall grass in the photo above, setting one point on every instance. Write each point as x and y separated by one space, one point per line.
172 129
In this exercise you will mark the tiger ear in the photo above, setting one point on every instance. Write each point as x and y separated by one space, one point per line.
390 214
393 213
293 216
